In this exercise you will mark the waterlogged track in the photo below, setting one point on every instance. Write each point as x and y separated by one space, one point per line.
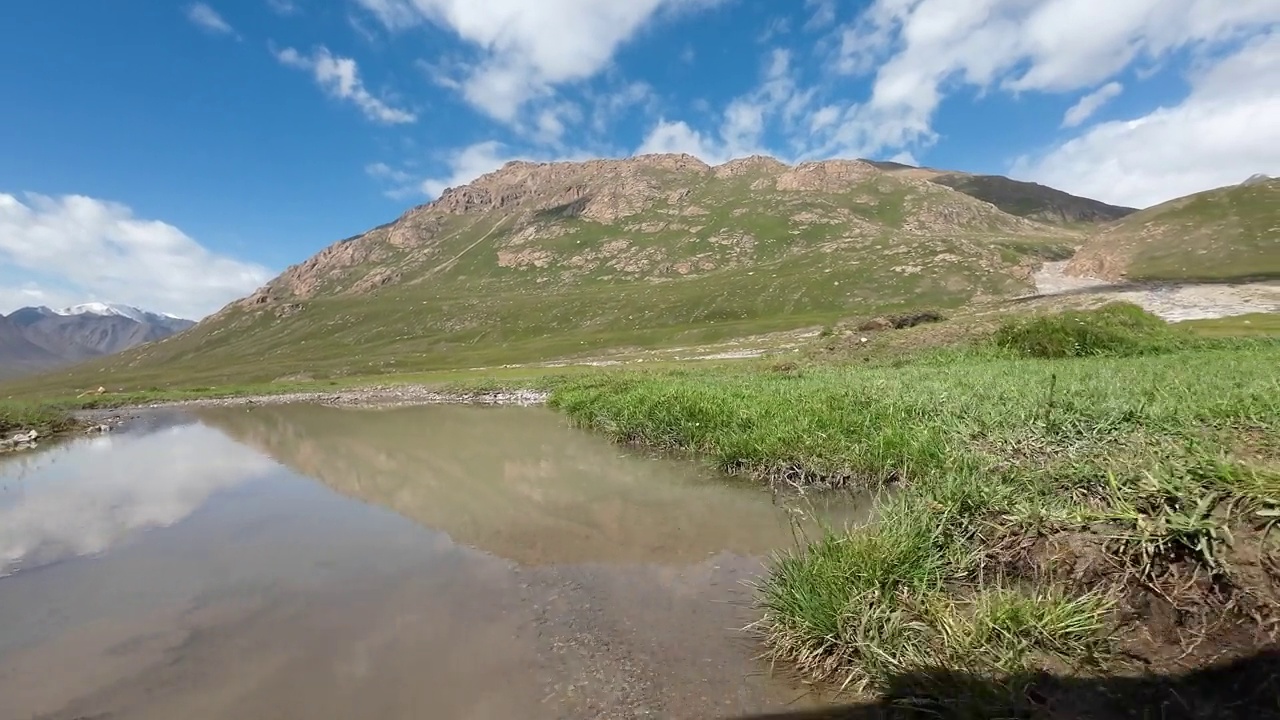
316 562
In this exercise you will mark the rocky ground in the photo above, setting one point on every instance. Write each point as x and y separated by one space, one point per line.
1171 301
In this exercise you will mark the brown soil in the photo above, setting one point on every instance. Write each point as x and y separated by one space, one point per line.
1191 642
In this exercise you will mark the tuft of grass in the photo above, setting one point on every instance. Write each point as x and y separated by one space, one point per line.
858 609
1115 329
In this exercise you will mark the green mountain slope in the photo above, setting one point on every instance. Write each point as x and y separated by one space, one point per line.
1228 234
540 261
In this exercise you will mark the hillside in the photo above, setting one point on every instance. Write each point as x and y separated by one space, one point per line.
539 261
1016 197
1228 234
71 335
18 355
1032 200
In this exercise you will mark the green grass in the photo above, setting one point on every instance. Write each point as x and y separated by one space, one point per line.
1223 235
1153 454
1114 329
43 418
1251 325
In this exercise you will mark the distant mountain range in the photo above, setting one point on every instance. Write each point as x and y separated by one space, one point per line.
33 339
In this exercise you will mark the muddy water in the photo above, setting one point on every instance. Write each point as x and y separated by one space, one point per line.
442 562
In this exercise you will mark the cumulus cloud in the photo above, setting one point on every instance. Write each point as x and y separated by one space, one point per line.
527 49
208 19
115 487
915 53
677 137
1224 131
470 163
73 249
340 78
919 50
777 101
1090 104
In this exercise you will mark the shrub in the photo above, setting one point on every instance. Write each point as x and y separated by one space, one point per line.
1115 329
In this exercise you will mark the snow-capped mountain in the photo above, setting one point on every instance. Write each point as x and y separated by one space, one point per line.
41 338
109 309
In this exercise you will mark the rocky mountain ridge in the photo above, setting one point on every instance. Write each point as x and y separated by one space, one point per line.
648 195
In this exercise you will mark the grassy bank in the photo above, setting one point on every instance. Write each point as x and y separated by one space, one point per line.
1083 492
44 419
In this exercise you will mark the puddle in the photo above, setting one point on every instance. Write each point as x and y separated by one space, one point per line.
313 562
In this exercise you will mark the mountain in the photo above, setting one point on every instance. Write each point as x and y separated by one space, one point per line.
538 261
1032 200
18 355
1016 197
1228 234
74 334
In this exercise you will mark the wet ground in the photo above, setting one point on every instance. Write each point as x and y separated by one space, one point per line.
445 562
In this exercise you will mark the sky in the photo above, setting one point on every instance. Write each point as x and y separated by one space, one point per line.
176 156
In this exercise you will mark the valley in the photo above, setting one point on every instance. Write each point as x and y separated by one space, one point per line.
1036 431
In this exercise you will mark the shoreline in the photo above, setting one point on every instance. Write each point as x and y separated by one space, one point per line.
90 420
387 396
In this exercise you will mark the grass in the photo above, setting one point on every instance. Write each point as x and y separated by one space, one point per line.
1103 434
1251 325
1222 235
20 417
1115 329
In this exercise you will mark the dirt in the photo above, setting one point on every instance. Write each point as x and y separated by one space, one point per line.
1171 301
1174 620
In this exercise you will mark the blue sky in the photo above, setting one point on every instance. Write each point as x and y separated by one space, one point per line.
177 155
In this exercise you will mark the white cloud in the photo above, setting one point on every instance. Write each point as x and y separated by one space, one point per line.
921 49
284 7
462 166
905 158
777 101
608 106
527 49
1224 131
340 78
75 249
1090 104
93 500
470 163
383 171
209 19
824 13
677 137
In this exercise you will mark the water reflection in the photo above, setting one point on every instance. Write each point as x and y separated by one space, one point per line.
93 493
451 562
520 483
